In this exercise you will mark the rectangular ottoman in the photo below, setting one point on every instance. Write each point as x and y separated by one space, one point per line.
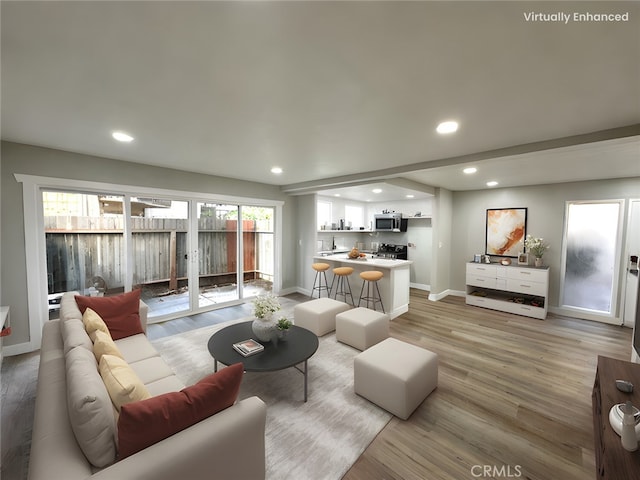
318 315
395 375
362 327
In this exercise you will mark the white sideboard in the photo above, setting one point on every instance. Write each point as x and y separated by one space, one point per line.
518 289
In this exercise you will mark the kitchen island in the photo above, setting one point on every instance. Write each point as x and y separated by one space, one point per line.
394 285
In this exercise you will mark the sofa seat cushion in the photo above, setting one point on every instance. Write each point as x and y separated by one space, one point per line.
151 369
90 408
119 312
145 423
165 385
136 348
122 383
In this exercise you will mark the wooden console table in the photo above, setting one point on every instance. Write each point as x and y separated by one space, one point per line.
612 461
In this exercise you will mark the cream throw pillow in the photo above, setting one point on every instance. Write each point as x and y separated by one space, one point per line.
92 322
103 344
122 383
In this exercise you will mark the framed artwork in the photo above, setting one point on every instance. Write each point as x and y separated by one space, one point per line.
523 259
506 229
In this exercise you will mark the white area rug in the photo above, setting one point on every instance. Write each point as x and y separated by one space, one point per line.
319 439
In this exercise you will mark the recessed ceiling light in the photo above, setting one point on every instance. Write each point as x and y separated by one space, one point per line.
470 170
122 137
377 190
492 183
447 127
409 195
336 194
276 170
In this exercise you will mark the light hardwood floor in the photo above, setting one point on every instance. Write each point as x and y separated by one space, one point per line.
513 399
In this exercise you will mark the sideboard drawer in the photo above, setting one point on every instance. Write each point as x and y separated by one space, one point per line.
528 274
523 286
479 281
482 269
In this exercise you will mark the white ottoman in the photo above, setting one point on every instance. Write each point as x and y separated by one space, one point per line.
318 315
395 375
362 327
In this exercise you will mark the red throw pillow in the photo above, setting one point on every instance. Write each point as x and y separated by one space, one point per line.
146 422
120 312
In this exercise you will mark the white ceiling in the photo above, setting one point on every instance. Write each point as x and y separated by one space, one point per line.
335 93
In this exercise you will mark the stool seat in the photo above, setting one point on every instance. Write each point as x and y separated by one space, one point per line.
395 375
343 271
371 276
320 267
370 280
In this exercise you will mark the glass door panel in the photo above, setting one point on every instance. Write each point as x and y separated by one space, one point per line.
84 244
217 254
258 250
159 233
592 244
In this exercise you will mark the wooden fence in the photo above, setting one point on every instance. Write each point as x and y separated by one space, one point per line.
84 250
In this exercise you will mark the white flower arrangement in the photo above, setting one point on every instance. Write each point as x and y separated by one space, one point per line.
265 305
536 246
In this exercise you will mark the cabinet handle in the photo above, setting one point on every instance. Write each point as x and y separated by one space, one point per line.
525 273
525 286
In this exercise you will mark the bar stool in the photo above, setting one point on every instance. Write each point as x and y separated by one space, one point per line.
341 279
371 277
321 271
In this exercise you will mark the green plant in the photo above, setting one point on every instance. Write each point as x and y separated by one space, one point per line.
284 324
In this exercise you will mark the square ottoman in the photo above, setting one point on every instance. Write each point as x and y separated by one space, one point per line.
395 375
318 315
362 327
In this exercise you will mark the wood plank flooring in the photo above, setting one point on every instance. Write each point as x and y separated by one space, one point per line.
514 396
513 399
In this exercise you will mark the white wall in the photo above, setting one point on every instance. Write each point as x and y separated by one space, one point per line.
26 159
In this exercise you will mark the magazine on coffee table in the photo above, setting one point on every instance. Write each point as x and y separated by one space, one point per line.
248 347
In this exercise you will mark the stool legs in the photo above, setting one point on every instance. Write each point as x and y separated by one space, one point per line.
371 295
342 289
320 287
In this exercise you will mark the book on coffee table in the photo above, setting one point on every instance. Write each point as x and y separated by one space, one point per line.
248 347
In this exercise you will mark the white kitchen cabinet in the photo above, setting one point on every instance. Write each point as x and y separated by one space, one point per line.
521 290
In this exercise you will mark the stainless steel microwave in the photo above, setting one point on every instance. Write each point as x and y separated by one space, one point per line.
389 222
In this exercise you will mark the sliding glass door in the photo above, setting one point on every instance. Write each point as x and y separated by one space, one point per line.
159 254
105 243
84 244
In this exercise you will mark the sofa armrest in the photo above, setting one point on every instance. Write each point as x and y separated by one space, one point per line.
143 312
229 444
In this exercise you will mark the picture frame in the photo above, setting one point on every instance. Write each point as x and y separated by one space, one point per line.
506 229
523 259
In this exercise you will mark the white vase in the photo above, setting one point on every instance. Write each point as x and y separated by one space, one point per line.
538 262
264 329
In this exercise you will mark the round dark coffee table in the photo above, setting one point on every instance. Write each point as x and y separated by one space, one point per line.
298 348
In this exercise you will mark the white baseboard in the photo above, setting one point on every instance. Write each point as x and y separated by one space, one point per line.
18 349
439 296
420 286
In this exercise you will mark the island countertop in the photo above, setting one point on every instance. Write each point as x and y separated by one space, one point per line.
368 261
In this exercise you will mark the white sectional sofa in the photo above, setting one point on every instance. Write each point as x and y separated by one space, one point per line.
228 444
